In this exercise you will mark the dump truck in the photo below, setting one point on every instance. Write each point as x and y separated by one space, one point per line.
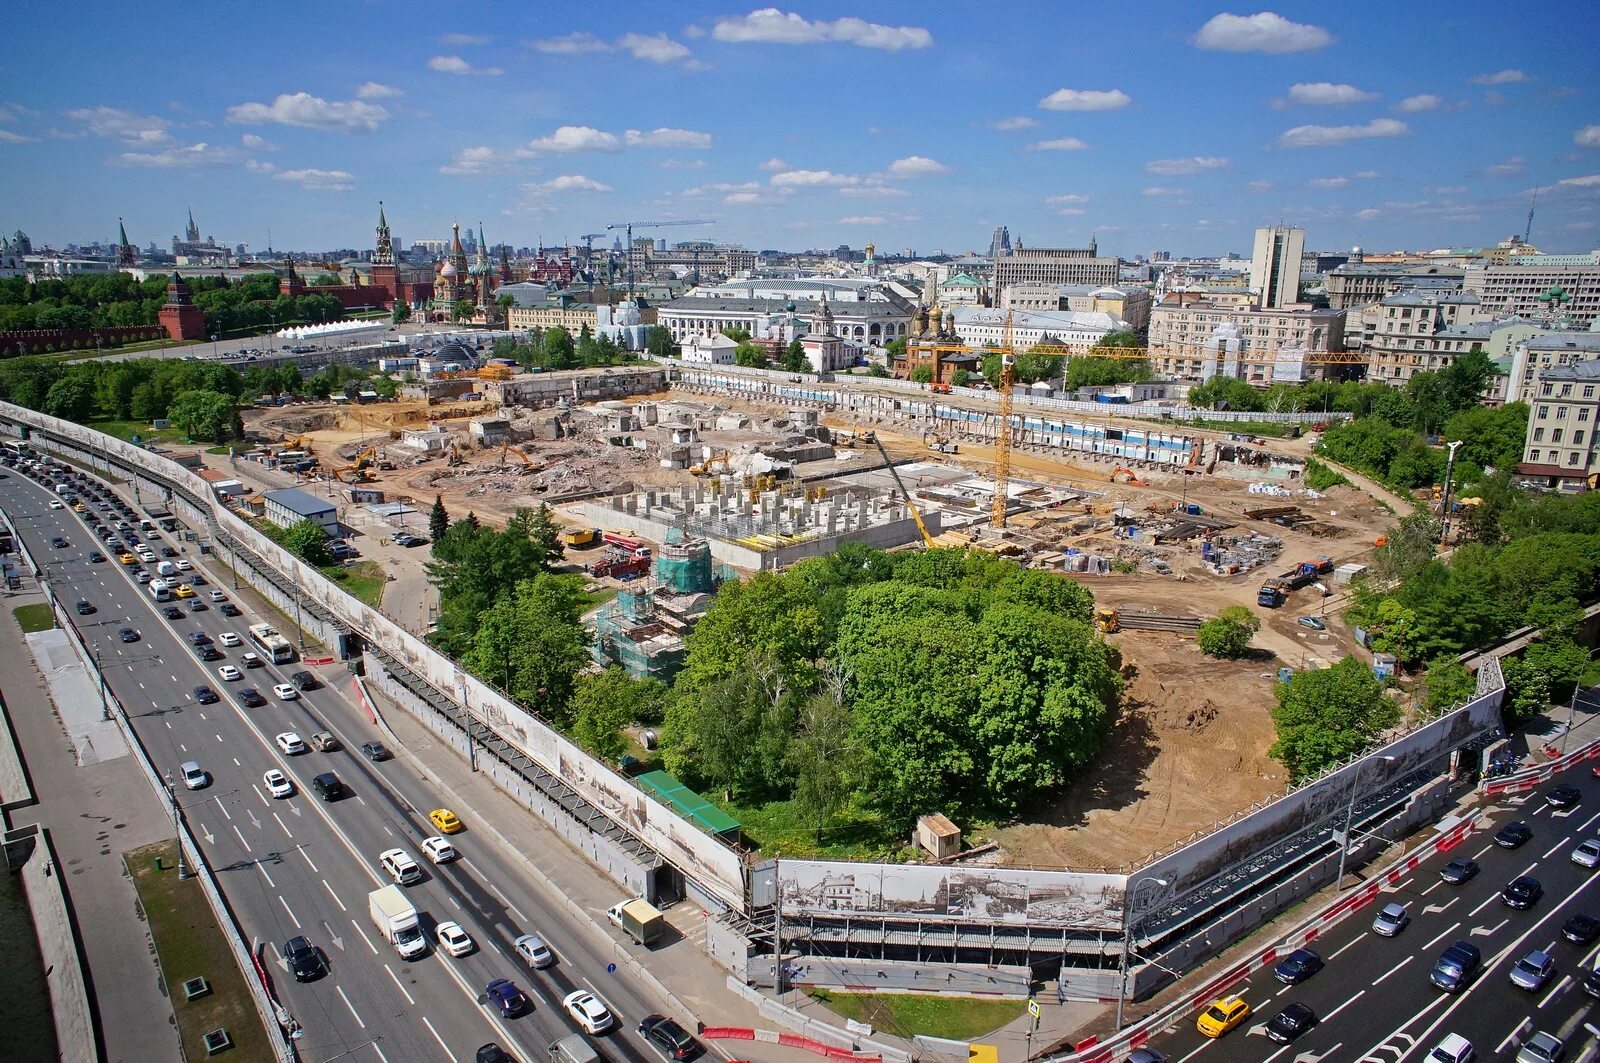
1275 591
396 919
579 537
639 920
620 566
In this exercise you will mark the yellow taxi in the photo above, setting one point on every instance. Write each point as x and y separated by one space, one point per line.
445 820
126 558
183 590
1222 1015
77 507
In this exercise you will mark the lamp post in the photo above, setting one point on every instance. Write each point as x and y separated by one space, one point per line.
1349 815
1130 917
1444 515
777 929
100 674
172 799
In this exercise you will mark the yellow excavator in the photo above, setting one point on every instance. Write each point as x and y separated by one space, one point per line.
509 449
911 505
705 467
453 457
1107 619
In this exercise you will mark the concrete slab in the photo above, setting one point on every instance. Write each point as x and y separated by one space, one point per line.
77 698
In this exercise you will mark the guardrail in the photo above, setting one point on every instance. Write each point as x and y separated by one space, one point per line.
1529 778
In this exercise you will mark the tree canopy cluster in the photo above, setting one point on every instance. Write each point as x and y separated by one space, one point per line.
555 348
1324 716
142 389
476 567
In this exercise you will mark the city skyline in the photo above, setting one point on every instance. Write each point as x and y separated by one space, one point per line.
1174 127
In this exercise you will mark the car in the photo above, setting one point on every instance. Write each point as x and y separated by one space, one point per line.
492 1052
1581 929
439 850
1391 919
325 742
1298 966
205 695
1587 854
290 743
531 947
1591 982
197 580
328 786
140 576
229 638
1542 1047
1513 835
126 558
285 692
96 557
183 566
252 698
56 503
127 634
671 1039
1453 1049
218 596
304 680
453 939
304 959
172 612
209 653
1521 893
250 660
375 751
1563 797
83 608
1533 970
229 609
587 1011
1315 623
194 776
278 784
445 820
167 551
400 866
58 542
1461 869
197 606
183 591
229 673
1455 966
506 997
1291 1022
1222 1015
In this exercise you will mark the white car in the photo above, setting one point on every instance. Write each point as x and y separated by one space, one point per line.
183 566
285 692
400 866
55 503
142 577
1453 1049
278 784
1587 854
532 948
147 556
587 1011
228 638
218 596
250 660
439 850
454 940
229 673
291 743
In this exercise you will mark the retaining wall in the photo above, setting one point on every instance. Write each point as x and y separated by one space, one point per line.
61 952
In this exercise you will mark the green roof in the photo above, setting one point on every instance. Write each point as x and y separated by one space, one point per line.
664 786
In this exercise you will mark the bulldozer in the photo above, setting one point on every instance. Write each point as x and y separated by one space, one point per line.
1106 619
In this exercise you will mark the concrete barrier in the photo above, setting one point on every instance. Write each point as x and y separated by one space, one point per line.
62 952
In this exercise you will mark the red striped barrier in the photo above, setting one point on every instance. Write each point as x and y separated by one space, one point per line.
787 1040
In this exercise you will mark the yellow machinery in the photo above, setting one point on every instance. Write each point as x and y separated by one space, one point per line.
1106 619
916 515
579 536
509 449
497 371
358 467
453 455
705 468
1002 436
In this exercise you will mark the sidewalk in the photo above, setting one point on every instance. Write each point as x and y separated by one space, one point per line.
1402 506
94 813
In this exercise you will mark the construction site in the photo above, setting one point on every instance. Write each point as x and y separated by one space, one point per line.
667 486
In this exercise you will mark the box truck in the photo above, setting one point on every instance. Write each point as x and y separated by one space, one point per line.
396 919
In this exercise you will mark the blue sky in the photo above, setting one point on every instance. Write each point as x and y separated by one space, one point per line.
1166 125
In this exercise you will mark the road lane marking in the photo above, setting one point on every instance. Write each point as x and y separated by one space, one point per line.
451 898
307 855
1557 847
398 986
448 1054
1346 1004
286 908
334 895
285 827
238 765
364 937
356 1015
224 810
378 1050
1513 1035
1586 824
1479 854
389 832
1554 990
1444 934
262 868
1196 1052
1485 903
1437 883
242 842
535 991
1392 970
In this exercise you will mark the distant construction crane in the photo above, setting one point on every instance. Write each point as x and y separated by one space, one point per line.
629 226
1002 436
588 250
911 504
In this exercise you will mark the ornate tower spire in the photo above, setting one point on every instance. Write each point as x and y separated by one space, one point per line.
125 253
192 233
383 252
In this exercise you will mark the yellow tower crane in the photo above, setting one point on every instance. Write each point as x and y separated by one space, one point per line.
1002 435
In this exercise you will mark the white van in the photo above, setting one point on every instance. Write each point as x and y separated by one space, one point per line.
159 590
167 568
400 866
573 1049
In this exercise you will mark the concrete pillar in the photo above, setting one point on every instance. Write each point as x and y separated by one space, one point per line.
631 506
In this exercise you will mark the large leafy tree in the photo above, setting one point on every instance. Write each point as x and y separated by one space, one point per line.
1324 716
824 759
307 541
605 703
206 416
1228 634
531 644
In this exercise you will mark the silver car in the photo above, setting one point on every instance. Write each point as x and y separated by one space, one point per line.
1391 919
1533 970
1542 1048
1587 854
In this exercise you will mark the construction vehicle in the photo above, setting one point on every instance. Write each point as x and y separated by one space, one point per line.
1275 591
1121 475
509 449
580 537
493 371
620 565
916 515
1110 620
453 456
639 920
705 467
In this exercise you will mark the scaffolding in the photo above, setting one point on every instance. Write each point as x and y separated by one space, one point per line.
683 566
632 632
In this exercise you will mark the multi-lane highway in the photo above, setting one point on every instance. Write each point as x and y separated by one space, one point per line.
1374 1000
300 866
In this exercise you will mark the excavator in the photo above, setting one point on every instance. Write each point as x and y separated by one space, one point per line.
357 468
453 456
705 468
509 449
1120 475
916 515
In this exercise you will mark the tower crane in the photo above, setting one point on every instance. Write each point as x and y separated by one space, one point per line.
1002 436
911 504
588 249
629 226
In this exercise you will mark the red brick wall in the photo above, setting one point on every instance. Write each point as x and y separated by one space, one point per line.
42 341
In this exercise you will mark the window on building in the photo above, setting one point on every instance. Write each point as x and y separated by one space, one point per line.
1533 457
1588 391
1566 390
1538 435
1544 411
1572 458
1583 414
1561 413
1577 437
1555 436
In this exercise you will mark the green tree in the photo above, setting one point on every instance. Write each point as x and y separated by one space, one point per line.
737 334
206 416
307 541
750 355
1325 716
559 350
400 313
794 358
1410 545
462 310
72 398
960 378
604 704
922 374
1227 635
531 644
438 519
896 349
539 527
658 341
1446 684
823 756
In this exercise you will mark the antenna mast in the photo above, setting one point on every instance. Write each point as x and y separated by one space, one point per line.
1528 232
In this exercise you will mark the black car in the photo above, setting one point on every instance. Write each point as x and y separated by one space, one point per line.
228 609
672 1040
506 997
1521 893
209 653
303 680
493 1053
58 542
199 638
1291 1022
375 750
1591 983
1513 835
304 959
252 697
327 786
127 634
205 695
196 580
96 557
1581 929
83 608
1563 797
197 606
1455 968
1298 966
172 612
1459 870
167 551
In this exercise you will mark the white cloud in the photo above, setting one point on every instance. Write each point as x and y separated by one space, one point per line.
318 180
311 112
1069 212
1329 182
812 179
1011 125
456 40
686 139
1186 167
1587 137
719 188
255 143
874 191
1263 32
1165 192
917 166
572 44
744 198
1417 104
768 25
1446 190
475 162
1060 144
1501 77
862 219
257 166
573 182
570 138
683 164
177 158
1328 94
10 112
655 49
8 137
1325 136
1510 168
1589 181
1085 100
773 165
1367 175
1368 214
454 64
1069 197
138 129
1259 186
1580 225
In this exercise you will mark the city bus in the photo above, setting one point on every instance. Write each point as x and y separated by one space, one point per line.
273 646
17 449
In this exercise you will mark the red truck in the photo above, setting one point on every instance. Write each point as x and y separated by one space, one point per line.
1275 591
621 566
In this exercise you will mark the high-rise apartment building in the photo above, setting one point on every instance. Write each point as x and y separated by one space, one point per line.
1275 266
1561 448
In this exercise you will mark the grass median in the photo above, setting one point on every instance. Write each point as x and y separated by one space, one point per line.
190 944
36 617
907 1014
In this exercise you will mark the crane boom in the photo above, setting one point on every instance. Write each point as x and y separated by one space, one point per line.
1002 435
629 226
911 505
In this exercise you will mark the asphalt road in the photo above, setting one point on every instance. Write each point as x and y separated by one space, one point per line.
303 866
1373 998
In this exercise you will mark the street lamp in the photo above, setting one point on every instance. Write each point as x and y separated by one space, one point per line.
172 799
1130 916
100 674
1349 815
